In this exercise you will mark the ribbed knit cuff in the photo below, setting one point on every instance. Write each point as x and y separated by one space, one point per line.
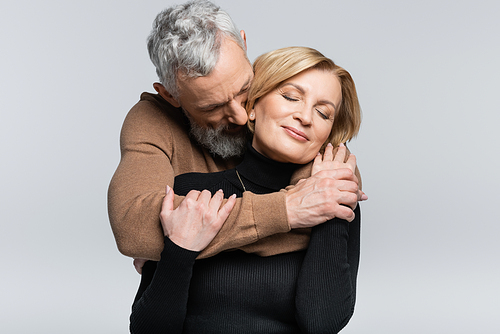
177 255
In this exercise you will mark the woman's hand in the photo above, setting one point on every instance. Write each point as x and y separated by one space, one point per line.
329 161
197 220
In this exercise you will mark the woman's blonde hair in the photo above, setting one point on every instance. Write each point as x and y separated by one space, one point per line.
273 68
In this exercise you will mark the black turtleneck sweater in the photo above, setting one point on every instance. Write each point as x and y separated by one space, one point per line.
310 291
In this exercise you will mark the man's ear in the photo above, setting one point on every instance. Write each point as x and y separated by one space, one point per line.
166 95
244 36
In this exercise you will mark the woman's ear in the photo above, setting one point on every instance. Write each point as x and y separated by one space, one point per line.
166 95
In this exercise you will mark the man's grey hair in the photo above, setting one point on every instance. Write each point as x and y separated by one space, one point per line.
187 39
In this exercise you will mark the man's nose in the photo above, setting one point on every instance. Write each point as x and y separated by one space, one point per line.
236 113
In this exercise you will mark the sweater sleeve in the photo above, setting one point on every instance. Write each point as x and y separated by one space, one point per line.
326 286
255 218
137 188
161 308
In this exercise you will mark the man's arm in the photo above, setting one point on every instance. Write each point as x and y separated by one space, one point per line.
155 147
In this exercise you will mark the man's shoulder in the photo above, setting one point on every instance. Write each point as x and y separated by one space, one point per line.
154 106
153 112
154 120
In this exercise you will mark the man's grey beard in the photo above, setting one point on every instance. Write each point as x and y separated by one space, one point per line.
217 141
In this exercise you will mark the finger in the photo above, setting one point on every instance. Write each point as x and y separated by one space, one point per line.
348 186
318 159
225 210
351 162
168 200
205 197
138 264
346 213
340 156
337 174
301 181
350 199
328 156
362 196
193 194
216 200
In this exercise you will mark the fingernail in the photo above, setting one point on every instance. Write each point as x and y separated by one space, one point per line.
168 189
364 197
233 196
341 145
220 190
329 144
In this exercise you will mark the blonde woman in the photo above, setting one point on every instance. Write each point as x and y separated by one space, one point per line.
300 103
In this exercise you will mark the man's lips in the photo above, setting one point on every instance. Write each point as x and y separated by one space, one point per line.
294 133
234 129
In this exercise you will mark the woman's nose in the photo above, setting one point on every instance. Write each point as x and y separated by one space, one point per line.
304 115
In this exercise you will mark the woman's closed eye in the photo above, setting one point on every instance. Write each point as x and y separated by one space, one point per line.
322 114
289 98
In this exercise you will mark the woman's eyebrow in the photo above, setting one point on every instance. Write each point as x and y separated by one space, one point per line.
328 102
298 87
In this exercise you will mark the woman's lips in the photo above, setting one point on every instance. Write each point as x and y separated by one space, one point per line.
294 133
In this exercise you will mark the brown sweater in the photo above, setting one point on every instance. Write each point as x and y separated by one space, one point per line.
155 147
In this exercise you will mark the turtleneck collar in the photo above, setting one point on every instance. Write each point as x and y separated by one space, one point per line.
265 172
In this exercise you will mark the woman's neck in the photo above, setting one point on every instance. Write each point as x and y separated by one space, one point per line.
264 172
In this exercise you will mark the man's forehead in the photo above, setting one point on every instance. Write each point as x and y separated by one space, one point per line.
230 76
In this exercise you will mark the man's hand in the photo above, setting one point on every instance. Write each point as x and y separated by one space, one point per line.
197 220
332 191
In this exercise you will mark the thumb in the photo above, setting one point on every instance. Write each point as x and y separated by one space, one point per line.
300 181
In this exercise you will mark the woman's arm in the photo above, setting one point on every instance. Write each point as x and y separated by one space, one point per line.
326 287
161 308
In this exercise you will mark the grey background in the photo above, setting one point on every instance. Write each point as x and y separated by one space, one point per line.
427 74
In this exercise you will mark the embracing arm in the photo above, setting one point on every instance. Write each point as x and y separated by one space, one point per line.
137 188
155 147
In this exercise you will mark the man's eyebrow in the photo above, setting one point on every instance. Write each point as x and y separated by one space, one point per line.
212 106
244 89
299 88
